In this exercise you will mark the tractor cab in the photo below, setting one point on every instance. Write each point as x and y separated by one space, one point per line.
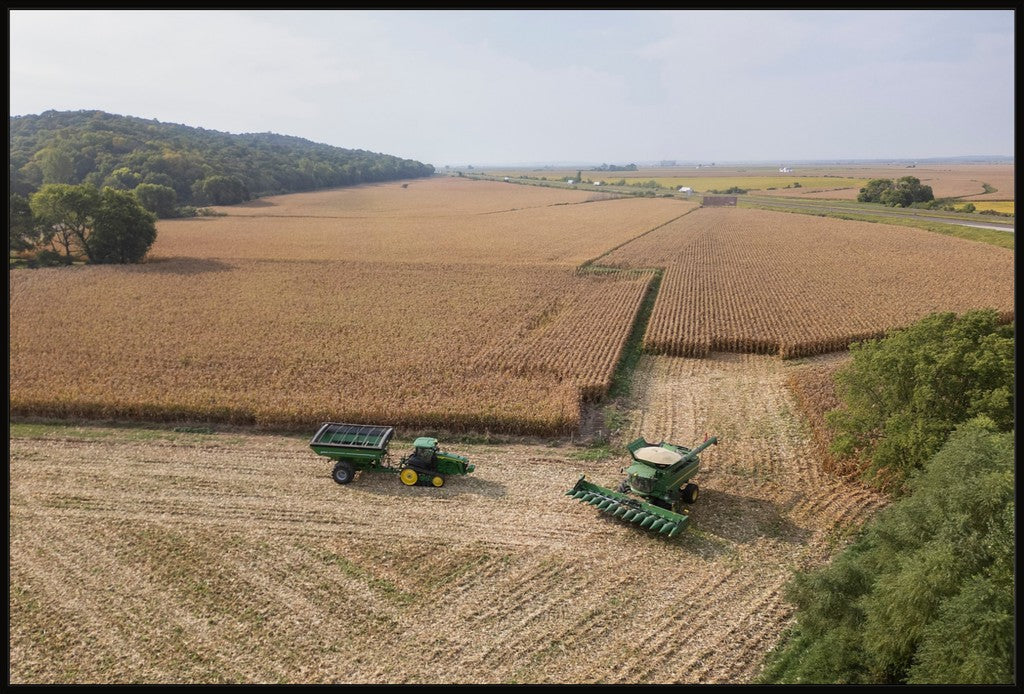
424 453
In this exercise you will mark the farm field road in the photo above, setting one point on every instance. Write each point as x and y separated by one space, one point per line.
153 556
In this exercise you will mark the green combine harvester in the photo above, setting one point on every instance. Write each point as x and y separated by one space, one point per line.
365 447
656 490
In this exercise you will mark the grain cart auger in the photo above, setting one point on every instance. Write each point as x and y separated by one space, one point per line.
656 489
365 447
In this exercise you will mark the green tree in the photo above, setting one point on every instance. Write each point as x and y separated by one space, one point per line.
123 179
23 232
872 192
903 394
903 193
918 191
925 594
220 190
158 199
57 164
66 213
124 230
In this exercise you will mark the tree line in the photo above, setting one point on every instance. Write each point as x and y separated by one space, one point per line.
89 185
925 592
181 167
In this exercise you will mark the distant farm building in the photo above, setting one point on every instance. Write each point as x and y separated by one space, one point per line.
686 190
597 183
719 201
785 169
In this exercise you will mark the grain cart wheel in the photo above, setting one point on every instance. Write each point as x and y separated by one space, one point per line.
343 472
690 493
408 476
437 480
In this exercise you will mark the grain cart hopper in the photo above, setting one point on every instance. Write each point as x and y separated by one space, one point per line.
365 447
656 489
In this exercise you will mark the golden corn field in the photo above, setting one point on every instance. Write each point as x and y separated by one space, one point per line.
471 321
457 304
771 282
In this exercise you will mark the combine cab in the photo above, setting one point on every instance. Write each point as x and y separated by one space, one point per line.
355 447
657 488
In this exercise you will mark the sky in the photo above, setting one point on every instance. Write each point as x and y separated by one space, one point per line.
520 87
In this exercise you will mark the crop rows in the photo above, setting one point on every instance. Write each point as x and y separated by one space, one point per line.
287 344
506 226
776 283
448 304
578 337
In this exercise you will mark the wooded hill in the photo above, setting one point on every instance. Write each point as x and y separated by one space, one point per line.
202 166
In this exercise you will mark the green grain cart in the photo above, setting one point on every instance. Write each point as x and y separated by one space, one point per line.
657 488
365 447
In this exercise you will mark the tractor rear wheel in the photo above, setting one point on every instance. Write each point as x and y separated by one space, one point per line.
437 480
343 472
408 476
690 493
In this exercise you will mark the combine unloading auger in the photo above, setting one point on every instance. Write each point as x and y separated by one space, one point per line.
657 488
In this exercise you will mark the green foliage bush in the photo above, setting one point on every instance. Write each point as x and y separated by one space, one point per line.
903 192
123 230
903 394
159 199
925 593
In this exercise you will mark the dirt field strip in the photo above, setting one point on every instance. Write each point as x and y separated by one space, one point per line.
146 556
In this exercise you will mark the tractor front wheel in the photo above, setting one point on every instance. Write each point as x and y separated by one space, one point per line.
343 472
408 476
690 493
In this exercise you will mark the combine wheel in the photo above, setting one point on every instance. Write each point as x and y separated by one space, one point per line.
408 476
624 486
437 480
343 472
690 493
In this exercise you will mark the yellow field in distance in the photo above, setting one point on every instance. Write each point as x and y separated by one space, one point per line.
995 205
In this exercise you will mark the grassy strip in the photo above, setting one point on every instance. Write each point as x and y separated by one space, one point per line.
622 379
990 236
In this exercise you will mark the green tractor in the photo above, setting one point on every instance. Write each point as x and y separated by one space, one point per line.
355 447
657 489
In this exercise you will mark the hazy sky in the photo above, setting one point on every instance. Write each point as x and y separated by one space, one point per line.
516 86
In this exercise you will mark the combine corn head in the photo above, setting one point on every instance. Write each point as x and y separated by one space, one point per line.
656 490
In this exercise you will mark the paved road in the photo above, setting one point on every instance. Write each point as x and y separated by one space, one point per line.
830 206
